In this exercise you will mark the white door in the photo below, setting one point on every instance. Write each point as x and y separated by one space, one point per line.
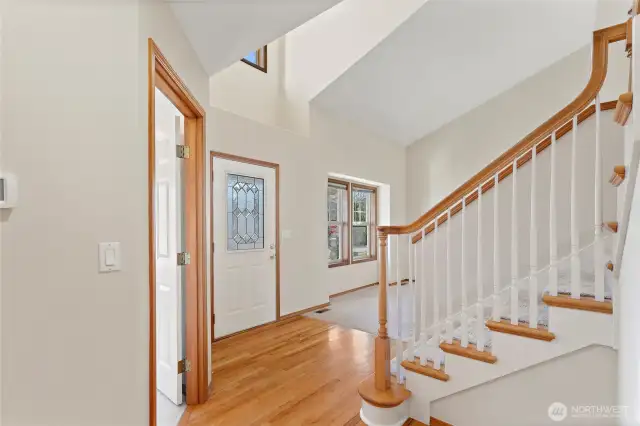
244 220
168 227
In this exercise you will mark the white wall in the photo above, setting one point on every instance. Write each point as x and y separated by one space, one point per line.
305 61
75 341
321 49
258 96
445 159
310 139
629 342
305 164
77 139
585 377
629 292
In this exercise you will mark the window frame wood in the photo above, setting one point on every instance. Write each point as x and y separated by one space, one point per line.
261 59
372 231
346 243
348 259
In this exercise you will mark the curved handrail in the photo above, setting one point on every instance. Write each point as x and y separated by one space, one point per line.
601 40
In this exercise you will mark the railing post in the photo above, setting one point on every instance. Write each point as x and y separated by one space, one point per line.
575 238
382 358
597 246
413 282
436 297
533 246
424 338
449 284
464 340
514 245
496 248
553 233
399 343
480 304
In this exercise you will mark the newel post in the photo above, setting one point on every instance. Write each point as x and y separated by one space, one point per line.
382 398
382 357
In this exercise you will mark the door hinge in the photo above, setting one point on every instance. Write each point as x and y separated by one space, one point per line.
183 151
184 259
184 366
214 318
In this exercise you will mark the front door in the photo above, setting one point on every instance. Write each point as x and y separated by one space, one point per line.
244 220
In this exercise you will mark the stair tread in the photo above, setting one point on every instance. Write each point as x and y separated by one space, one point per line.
584 303
522 329
470 351
425 370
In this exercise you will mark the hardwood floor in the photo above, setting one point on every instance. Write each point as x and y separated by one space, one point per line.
297 372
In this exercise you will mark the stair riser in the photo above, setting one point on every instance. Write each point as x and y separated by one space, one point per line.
574 330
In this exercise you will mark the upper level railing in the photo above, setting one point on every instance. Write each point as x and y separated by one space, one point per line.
525 152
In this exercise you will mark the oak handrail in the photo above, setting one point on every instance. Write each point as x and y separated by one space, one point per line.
601 40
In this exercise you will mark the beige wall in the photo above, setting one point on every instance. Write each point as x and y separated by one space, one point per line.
445 159
75 341
258 96
334 147
322 49
583 378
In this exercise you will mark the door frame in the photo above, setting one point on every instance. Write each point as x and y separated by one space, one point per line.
162 76
255 162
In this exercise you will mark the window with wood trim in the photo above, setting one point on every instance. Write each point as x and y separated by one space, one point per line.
257 59
338 222
363 223
351 223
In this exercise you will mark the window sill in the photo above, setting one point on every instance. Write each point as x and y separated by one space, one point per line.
336 265
370 259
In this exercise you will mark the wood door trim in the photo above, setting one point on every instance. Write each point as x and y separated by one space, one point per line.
161 75
255 162
601 40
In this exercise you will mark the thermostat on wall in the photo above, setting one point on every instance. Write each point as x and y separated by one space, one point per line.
8 190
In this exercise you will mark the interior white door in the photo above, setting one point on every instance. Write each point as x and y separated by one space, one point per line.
244 220
168 228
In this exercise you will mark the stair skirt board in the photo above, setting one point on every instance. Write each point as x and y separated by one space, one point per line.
573 330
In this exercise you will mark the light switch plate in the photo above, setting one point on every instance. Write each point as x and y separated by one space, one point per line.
109 257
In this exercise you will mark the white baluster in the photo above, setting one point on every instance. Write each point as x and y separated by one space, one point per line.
553 242
514 245
480 305
414 299
436 300
496 250
575 237
449 284
464 326
533 248
423 304
597 246
399 345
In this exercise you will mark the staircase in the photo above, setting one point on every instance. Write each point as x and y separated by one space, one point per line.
512 269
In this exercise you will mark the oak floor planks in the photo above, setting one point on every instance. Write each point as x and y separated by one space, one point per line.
297 372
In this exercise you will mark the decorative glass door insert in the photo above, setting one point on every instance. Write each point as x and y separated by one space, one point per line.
245 213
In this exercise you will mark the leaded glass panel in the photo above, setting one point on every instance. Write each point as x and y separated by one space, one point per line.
245 213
